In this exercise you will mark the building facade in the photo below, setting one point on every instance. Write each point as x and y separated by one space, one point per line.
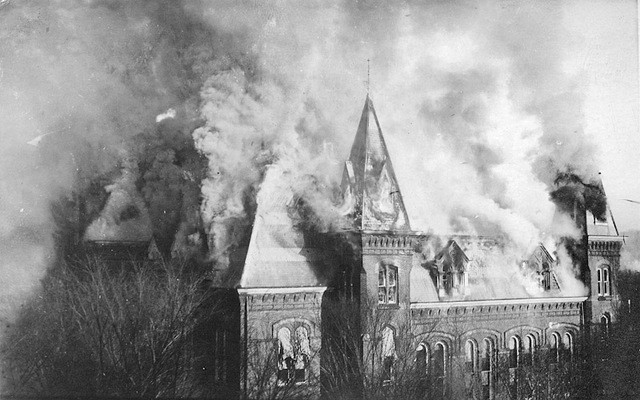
376 308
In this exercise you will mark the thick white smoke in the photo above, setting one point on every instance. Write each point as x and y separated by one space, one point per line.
476 107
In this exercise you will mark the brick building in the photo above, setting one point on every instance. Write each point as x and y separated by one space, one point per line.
356 309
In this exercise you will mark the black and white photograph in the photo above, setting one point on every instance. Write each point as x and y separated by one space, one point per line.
349 200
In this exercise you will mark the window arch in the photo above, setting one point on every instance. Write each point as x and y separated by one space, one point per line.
529 350
388 353
440 368
285 355
603 275
567 347
387 284
605 322
422 360
487 364
514 364
470 356
554 349
294 353
302 353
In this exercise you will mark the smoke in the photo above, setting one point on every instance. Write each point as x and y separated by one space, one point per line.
478 113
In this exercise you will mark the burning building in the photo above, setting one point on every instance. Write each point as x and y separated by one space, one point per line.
448 299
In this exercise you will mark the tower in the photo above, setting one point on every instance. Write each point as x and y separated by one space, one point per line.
381 245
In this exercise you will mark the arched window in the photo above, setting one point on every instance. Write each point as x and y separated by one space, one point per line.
514 363
422 360
387 284
293 355
567 347
439 371
285 355
302 352
605 322
529 350
554 349
604 283
470 356
388 353
487 363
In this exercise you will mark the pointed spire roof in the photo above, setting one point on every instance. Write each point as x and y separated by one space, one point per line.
606 226
369 179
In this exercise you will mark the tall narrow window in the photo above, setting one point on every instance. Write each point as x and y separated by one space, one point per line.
422 360
604 280
470 366
486 366
302 352
388 353
387 285
285 355
554 349
605 323
471 356
529 349
514 361
567 347
440 369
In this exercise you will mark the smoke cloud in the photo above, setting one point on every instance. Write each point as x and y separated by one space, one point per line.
477 110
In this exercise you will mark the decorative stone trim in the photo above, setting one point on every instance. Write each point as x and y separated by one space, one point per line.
270 300
425 312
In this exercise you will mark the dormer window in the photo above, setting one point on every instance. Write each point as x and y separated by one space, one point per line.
387 284
451 264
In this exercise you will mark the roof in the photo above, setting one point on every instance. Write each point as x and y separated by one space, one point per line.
277 255
491 272
369 178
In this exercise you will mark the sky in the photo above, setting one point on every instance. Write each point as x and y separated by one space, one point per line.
608 56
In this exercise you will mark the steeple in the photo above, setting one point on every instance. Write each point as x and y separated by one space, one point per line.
369 181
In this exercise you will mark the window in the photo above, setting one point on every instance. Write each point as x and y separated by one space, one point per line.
554 355
514 363
439 371
529 349
422 360
285 355
605 323
470 366
546 277
302 353
486 366
567 347
604 285
387 285
388 353
293 356
470 357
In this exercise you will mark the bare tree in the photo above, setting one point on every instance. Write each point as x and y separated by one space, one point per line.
99 330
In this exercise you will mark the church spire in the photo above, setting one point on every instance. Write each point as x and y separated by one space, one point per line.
370 180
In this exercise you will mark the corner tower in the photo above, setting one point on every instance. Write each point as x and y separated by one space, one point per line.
380 252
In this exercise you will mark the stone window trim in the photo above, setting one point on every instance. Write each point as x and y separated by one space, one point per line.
388 285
